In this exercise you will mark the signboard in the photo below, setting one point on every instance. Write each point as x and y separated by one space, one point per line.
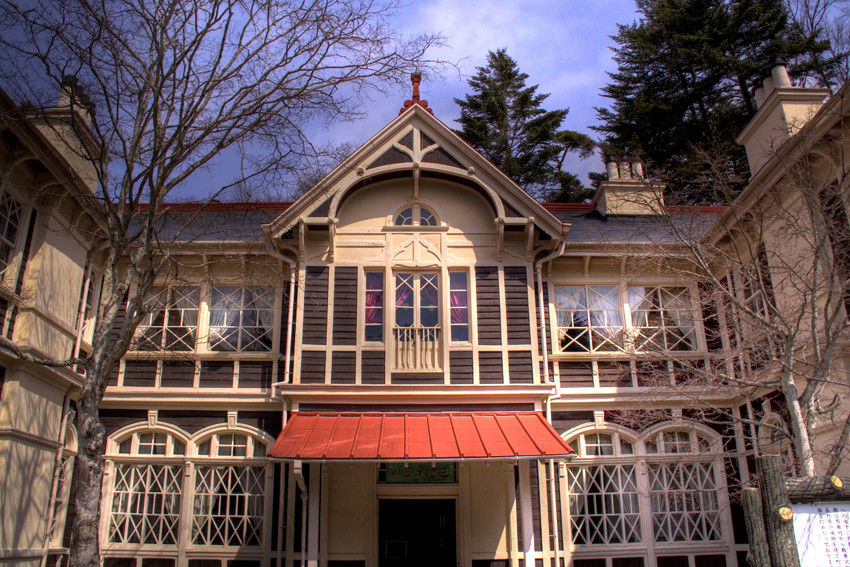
822 531
421 473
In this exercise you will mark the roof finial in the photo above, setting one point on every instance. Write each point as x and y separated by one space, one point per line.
415 79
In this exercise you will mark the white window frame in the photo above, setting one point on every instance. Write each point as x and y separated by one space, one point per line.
417 347
195 469
159 320
711 458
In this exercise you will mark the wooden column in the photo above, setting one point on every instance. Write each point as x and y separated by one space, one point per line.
777 512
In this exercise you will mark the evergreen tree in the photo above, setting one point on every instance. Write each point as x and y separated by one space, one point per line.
683 84
505 121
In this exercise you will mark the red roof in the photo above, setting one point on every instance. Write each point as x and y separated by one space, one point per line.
418 436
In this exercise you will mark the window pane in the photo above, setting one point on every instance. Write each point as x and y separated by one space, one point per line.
426 218
374 315
145 504
459 298
604 504
228 507
242 318
405 217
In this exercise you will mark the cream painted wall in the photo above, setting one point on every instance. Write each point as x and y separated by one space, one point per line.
348 509
489 508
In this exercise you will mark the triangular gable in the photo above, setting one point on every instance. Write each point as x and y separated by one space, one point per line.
416 142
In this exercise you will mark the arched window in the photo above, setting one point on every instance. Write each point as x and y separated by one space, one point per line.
147 487
683 486
603 488
176 492
229 498
415 215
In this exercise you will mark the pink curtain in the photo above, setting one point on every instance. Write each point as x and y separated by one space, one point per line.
460 314
374 307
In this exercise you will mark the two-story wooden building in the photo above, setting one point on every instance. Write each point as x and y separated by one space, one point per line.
415 363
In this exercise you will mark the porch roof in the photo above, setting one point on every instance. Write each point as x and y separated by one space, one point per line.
418 436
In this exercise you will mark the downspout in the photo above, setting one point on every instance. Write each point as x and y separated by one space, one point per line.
290 311
298 473
547 380
54 483
282 500
540 311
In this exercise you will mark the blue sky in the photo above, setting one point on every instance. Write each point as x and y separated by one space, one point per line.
563 46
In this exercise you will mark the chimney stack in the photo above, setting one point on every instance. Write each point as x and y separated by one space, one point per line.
626 192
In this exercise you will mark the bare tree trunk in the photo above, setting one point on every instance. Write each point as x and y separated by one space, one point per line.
758 555
84 544
801 439
780 530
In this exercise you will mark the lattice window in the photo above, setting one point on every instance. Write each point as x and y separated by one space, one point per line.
228 505
662 319
231 445
374 316
145 503
604 504
172 320
589 319
11 212
684 502
241 318
604 497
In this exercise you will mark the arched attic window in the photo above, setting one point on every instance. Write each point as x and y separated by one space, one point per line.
415 215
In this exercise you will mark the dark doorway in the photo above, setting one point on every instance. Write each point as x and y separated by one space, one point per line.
417 533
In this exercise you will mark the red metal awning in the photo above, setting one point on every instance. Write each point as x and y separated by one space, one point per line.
418 437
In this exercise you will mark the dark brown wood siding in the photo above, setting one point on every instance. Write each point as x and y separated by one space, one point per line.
139 374
215 374
345 306
517 312
575 374
255 374
312 367
417 377
490 368
520 367
372 367
614 374
177 374
460 367
343 367
315 328
488 302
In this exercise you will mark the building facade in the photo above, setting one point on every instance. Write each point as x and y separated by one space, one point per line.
414 363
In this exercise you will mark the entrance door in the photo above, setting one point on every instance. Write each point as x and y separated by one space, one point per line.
417 533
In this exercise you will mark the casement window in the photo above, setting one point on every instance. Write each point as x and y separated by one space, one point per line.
662 319
172 320
621 486
459 298
415 215
241 318
11 213
374 317
589 319
416 331
217 482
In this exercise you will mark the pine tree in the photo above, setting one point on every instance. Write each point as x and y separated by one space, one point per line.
683 84
504 119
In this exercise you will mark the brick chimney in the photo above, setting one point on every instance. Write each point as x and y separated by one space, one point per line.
627 192
782 110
